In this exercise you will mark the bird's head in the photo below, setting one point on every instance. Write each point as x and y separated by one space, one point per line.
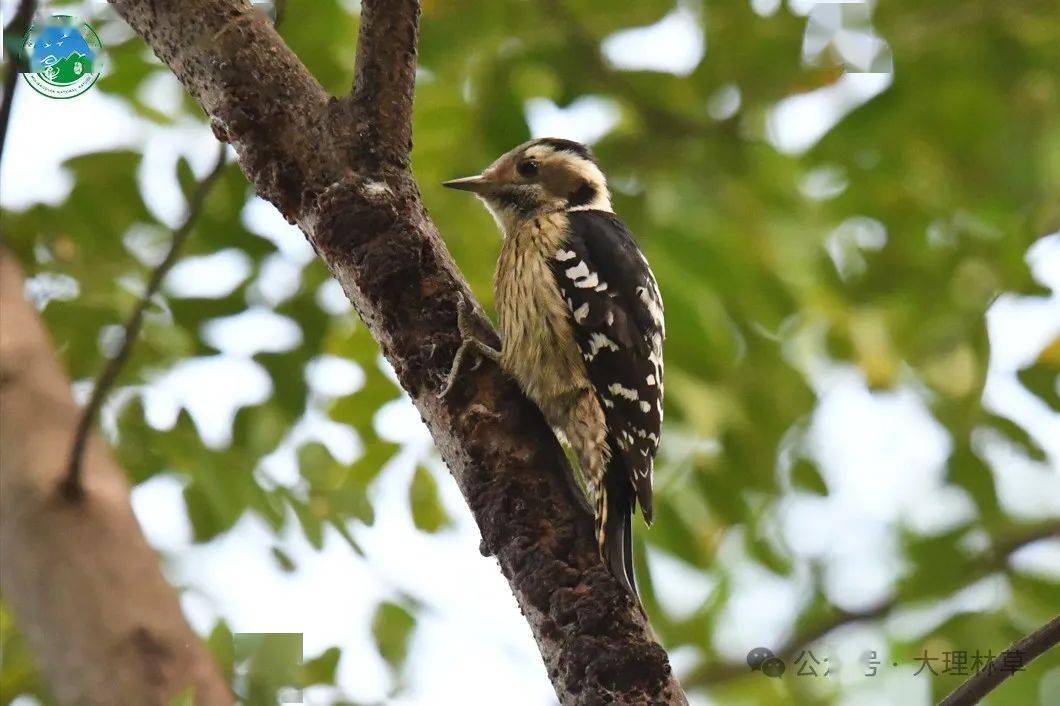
540 176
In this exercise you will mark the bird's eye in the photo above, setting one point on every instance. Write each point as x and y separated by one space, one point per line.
527 168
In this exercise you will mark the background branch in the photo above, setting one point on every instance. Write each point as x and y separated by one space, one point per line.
994 560
71 483
1014 659
85 588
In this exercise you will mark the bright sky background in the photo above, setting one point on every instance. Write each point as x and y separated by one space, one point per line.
881 453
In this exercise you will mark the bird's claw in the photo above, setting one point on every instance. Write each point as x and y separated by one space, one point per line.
463 316
462 309
467 340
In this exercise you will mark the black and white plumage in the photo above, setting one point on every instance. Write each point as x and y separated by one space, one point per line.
581 321
618 322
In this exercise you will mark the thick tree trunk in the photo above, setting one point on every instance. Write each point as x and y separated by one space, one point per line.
84 585
339 169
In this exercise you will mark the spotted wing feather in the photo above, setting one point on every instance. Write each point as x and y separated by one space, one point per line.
618 322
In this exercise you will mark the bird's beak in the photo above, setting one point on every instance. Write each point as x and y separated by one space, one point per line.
475 184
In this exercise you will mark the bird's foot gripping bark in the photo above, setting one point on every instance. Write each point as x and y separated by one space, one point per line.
468 341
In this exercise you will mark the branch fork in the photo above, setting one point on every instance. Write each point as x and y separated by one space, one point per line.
339 168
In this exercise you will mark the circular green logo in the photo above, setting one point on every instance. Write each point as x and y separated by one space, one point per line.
64 56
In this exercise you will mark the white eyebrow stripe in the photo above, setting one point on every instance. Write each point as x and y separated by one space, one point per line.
591 173
537 151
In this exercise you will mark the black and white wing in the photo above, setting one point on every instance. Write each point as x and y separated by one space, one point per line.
618 323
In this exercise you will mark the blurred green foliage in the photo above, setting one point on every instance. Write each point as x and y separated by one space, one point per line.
956 163
265 664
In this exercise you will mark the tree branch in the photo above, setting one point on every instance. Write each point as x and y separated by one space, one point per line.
993 560
1014 659
84 586
346 184
71 483
14 32
385 77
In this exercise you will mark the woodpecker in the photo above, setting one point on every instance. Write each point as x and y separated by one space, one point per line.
581 324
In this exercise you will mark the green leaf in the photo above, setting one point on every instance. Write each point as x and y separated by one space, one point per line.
186 177
321 670
344 532
205 523
805 476
1018 435
427 511
221 645
1043 377
271 662
392 627
311 522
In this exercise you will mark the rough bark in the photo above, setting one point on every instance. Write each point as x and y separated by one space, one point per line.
84 585
338 168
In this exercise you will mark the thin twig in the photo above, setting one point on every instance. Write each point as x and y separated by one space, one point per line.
708 675
15 64
1012 660
71 486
